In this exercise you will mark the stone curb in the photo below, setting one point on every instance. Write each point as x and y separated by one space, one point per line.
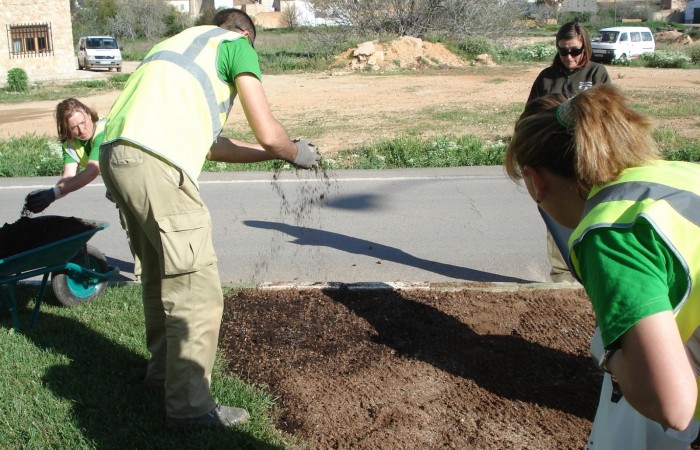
382 285
404 286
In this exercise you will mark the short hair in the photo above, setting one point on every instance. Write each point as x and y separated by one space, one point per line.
605 137
574 30
234 19
64 111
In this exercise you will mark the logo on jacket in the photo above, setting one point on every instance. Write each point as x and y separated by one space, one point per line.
585 85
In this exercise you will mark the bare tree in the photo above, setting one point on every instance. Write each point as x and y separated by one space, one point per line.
457 18
289 15
546 11
139 18
396 16
498 20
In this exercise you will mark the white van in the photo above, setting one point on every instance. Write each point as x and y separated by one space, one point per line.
622 43
99 52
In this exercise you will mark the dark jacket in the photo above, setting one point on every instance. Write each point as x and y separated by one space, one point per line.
556 79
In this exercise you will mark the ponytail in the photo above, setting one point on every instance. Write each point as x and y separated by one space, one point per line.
589 138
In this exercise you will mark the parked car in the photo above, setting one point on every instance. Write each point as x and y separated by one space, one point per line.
621 43
99 52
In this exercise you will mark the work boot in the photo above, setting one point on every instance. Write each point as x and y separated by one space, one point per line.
220 416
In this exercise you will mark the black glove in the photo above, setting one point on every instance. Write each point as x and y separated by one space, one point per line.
307 155
39 200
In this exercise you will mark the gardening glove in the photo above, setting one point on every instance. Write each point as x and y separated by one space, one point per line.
39 200
307 154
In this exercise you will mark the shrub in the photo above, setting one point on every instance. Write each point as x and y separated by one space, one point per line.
536 52
626 62
90 84
666 59
30 156
119 80
134 55
576 16
688 153
694 33
478 45
695 54
17 80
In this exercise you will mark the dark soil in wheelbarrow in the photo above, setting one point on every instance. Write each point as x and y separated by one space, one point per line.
31 232
392 369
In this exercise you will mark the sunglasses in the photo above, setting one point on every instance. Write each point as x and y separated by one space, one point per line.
575 51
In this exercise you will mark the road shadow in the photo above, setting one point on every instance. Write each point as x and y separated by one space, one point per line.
321 238
363 202
126 269
507 365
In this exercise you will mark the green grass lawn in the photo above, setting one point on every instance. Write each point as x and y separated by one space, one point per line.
73 382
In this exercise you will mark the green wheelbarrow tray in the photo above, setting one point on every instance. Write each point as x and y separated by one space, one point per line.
79 271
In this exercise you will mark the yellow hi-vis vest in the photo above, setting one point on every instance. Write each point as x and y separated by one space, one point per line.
667 195
77 152
174 104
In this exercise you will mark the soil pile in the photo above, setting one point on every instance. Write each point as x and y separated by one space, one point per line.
420 369
32 232
673 37
403 53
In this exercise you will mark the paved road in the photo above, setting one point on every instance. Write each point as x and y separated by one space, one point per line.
428 225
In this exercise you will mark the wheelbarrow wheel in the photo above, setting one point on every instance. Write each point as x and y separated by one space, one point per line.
75 289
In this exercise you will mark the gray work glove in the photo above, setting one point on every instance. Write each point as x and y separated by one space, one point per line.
39 200
307 155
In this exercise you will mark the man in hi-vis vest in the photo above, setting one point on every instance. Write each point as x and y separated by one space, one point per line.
159 132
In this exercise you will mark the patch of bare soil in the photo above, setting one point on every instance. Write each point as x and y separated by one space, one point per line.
420 369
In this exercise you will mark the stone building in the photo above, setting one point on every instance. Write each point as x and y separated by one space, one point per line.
38 37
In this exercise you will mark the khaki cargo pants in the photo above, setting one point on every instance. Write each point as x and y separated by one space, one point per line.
557 246
170 231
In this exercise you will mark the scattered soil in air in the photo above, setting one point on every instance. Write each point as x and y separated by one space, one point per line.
310 193
300 199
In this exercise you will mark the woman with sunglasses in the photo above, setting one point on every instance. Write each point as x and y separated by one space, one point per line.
571 72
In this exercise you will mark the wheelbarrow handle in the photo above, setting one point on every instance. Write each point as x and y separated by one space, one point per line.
76 268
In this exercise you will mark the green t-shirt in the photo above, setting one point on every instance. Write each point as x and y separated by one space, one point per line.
237 57
90 147
629 274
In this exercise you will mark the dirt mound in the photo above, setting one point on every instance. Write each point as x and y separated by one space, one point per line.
673 37
403 53
369 369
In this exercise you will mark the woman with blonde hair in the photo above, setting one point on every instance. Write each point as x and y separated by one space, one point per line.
590 163
80 131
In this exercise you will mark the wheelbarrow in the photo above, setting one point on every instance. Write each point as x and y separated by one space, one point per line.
79 272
